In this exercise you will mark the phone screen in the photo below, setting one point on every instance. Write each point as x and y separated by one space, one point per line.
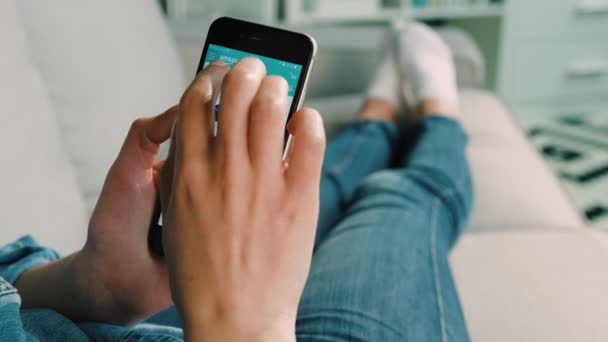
289 71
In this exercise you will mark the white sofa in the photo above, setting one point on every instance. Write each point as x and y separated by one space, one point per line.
74 75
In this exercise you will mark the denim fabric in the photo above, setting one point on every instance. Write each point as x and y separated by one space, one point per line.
22 254
390 212
11 328
381 273
48 325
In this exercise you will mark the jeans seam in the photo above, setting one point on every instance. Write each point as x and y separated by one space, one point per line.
437 281
137 336
6 288
333 172
353 150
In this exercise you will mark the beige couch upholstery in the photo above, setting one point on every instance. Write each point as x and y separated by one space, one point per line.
71 83
545 285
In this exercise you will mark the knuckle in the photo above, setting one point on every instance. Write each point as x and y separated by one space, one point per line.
314 115
251 63
267 104
292 209
238 77
217 65
317 144
230 78
316 128
250 76
316 138
200 91
138 124
247 71
189 175
269 101
278 81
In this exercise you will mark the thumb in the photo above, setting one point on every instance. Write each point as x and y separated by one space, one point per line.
145 136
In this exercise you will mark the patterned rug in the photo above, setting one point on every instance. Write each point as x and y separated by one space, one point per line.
576 147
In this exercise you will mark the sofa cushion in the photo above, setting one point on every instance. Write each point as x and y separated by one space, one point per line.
104 64
533 286
514 188
39 192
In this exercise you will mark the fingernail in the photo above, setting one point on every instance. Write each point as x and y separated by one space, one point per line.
218 62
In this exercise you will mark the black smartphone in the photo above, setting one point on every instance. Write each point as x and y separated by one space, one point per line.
284 53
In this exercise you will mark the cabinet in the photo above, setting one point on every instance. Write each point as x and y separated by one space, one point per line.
554 54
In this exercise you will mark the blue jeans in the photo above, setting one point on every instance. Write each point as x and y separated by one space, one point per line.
389 217
390 212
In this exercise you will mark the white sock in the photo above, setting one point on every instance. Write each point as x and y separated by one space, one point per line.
427 67
385 84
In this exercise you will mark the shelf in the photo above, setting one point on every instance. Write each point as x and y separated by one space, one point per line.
195 28
443 12
472 11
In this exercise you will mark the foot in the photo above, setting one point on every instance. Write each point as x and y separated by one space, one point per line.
376 109
427 71
383 95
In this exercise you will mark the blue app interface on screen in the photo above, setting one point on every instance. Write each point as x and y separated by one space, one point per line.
289 71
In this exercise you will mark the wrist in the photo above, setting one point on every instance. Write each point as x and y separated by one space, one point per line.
232 328
71 287
91 282
230 333
56 285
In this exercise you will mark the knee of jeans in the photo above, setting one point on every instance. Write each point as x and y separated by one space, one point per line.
408 187
389 188
381 181
454 193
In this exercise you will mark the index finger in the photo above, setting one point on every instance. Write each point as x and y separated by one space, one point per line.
194 127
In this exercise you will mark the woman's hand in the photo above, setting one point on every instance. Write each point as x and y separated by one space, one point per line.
239 223
113 278
117 253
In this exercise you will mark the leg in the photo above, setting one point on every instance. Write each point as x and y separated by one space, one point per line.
364 147
382 273
361 149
